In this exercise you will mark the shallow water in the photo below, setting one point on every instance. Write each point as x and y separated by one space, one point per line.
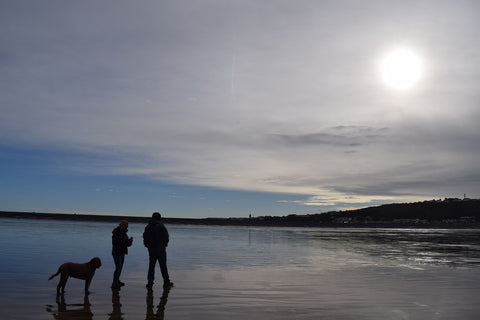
245 273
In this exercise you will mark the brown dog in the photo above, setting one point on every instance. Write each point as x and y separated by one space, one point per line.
84 271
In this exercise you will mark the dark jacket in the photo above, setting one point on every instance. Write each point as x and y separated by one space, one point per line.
120 242
161 234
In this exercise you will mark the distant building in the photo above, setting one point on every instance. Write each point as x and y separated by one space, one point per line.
452 199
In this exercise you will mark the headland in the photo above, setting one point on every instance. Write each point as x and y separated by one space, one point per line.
447 213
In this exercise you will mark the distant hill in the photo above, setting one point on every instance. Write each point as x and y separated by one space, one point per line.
447 213
442 213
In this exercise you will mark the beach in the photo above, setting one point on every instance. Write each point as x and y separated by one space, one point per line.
231 272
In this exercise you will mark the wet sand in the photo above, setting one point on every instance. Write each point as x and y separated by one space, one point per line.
371 293
236 273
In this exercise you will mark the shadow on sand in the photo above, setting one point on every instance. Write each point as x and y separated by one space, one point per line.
116 313
160 313
64 311
82 311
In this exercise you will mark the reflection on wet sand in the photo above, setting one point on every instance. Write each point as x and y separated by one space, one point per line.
116 313
71 311
160 314
260 273
449 247
82 311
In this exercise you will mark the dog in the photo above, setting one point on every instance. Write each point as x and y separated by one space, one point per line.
83 271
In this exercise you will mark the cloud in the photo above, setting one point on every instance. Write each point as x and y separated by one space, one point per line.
342 136
147 90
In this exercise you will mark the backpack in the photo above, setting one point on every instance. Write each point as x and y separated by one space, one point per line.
149 236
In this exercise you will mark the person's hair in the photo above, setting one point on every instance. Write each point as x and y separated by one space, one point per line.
156 216
123 224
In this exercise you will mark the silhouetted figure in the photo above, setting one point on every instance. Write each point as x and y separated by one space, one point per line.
160 314
120 244
71 311
116 306
156 238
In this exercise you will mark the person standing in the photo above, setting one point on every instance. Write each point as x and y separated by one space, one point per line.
156 239
120 244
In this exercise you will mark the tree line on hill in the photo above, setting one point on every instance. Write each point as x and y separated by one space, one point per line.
447 212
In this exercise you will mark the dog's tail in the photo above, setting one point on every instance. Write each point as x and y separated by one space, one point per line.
54 275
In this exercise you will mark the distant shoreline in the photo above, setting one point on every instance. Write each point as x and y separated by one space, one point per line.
448 214
77 217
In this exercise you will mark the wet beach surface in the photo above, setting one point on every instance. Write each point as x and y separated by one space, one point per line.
245 273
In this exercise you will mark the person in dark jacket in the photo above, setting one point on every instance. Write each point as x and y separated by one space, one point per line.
120 244
157 250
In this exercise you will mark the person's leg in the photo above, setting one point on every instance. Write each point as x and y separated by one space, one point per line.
122 260
117 259
151 268
163 267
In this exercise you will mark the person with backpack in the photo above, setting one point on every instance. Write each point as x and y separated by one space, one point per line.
120 244
156 238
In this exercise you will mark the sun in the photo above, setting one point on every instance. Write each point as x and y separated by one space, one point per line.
401 69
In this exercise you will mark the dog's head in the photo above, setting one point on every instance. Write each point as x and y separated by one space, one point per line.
96 263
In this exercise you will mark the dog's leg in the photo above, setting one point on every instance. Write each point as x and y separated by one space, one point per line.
87 284
60 299
62 282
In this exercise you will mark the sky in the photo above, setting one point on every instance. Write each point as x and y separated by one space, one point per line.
225 108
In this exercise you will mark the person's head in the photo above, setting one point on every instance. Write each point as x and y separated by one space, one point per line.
123 225
156 216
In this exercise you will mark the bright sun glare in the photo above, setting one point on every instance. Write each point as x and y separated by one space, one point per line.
401 69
